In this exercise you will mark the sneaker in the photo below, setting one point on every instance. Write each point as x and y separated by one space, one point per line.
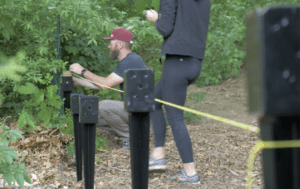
183 178
126 146
158 165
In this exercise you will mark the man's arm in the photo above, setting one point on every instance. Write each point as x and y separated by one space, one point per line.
166 20
110 81
84 83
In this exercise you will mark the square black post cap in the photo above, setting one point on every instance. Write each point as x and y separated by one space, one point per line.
273 60
75 103
67 84
88 109
139 90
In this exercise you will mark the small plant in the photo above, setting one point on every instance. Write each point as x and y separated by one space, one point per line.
100 142
197 96
70 149
26 154
190 116
11 171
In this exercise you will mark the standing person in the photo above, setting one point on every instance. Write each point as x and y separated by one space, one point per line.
112 112
184 26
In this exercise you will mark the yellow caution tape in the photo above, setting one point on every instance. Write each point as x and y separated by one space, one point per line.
224 120
266 145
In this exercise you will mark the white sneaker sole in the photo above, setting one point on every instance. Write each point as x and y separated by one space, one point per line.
158 168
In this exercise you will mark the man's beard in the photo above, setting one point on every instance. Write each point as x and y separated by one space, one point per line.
114 54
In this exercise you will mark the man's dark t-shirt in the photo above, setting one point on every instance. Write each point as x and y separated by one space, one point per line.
131 61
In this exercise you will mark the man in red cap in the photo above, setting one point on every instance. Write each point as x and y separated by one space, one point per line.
111 112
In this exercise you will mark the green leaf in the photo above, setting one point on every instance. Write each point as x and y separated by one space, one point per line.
8 177
26 178
140 5
5 33
19 178
39 96
156 5
8 159
4 140
46 116
9 104
80 24
13 154
90 41
10 29
55 103
28 89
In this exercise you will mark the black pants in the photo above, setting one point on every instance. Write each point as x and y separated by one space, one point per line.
178 73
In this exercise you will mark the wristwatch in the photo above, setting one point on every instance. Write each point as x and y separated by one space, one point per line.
82 72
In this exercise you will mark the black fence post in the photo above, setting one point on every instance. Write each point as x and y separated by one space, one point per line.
139 101
273 66
67 87
88 116
56 77
77 133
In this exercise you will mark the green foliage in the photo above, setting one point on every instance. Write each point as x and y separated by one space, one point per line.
100 142
197 96
11 171
43 103
65 124
13 98
10 66
8 69
70 149
188 116
225 46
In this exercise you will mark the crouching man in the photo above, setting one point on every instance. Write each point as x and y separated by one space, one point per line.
111 112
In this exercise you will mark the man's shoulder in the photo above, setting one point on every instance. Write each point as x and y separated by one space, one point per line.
133 58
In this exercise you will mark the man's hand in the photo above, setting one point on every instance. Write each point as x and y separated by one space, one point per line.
152 16
76 68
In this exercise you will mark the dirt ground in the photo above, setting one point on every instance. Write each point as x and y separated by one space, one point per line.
220 150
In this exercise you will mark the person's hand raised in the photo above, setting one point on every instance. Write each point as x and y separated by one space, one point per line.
76 68
152 16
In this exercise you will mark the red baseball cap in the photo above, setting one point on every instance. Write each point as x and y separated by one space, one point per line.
121 34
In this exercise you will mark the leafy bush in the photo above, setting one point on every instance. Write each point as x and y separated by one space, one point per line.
225 46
